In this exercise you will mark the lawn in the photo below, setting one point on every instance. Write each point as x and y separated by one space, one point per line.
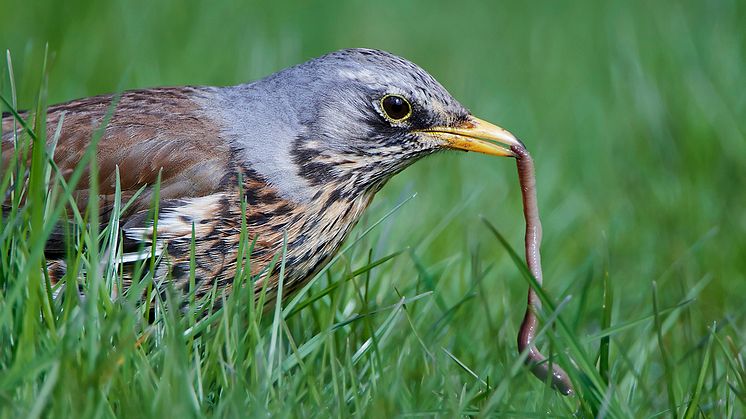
635 113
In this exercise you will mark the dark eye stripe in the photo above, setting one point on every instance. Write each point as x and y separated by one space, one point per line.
396 107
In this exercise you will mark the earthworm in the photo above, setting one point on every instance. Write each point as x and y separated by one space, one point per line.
530 325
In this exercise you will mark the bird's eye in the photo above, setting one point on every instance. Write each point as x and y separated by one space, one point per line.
396 108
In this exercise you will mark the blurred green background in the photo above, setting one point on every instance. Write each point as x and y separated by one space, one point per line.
635 113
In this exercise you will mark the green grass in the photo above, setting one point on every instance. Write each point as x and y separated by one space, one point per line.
635 113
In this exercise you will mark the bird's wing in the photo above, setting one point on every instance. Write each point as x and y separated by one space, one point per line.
151 131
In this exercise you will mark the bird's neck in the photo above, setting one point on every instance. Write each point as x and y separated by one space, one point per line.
260 130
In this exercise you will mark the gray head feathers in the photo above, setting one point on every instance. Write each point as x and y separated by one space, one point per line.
322 121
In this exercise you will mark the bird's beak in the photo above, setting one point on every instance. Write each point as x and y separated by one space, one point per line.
476 135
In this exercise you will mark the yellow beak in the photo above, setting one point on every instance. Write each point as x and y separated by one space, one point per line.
476 135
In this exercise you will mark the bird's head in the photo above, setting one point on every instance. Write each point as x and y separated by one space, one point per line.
359 116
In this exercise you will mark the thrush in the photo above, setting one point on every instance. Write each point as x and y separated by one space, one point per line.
306 149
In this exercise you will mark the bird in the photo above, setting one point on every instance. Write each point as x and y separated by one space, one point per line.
297 156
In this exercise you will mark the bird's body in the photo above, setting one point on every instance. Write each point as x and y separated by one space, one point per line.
306 149
168 131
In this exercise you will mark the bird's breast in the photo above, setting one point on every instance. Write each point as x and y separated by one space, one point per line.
325 226
312 233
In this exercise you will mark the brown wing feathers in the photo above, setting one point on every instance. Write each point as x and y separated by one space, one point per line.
151 131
